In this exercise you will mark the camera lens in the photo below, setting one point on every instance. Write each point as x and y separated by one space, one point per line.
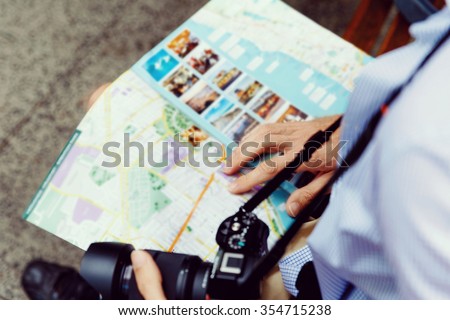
184 276
103 265
107 267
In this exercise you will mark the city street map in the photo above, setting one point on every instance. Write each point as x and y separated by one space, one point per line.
135 169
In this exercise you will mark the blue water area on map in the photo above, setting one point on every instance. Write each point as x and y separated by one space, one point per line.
160 64
254 16
284 80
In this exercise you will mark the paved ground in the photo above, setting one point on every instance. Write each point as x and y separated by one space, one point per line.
52 54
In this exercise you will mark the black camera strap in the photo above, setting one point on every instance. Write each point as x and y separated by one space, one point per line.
266 263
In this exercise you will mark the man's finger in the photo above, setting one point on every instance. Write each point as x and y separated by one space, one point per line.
147 275
303 196
263 172
326 157
244 153
268 138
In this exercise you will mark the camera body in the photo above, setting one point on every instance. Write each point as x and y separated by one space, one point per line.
242 240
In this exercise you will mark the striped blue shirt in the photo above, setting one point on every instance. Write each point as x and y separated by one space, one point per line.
387 227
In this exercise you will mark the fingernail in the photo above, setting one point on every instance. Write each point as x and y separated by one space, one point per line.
138 258
226 169
233 187
293 208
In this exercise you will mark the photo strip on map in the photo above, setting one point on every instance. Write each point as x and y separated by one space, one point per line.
246 89
180 81
183 43
203 58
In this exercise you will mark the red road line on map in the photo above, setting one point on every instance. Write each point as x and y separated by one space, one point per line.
188 218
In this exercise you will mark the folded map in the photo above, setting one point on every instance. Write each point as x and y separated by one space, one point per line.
144 165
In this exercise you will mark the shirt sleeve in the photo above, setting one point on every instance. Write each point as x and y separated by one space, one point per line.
413 179
414 210
290 267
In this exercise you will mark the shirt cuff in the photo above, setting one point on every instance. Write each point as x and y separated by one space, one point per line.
290 267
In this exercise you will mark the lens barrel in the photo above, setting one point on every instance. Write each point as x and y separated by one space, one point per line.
184 276
106 266
103 266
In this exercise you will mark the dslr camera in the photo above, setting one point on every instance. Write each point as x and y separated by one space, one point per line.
242 240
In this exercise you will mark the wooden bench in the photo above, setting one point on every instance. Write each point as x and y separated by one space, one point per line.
379 26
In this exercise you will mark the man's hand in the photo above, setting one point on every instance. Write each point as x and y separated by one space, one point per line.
288 139
148 277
